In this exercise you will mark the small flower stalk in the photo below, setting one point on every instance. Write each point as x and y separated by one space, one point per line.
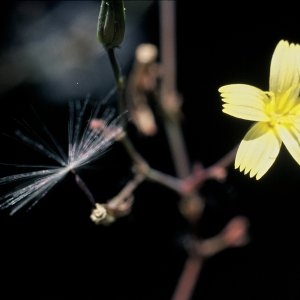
111 23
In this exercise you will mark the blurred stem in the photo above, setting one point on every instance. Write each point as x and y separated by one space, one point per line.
171 106
141 165
169 96
188 278
171 182
192 205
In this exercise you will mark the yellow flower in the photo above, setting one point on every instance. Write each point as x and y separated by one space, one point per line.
276 112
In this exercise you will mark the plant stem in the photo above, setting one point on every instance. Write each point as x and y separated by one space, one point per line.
84 188
169 97
118 78
142 166
188 278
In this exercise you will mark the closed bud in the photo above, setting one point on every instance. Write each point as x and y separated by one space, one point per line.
111 23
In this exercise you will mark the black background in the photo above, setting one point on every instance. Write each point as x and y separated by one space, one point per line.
54 251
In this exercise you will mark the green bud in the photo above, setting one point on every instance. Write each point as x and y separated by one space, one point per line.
111 23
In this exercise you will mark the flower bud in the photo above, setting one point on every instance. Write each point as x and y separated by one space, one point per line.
111 23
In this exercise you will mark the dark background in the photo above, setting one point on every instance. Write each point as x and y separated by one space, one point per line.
54 251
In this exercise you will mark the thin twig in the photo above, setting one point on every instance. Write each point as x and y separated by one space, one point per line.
84 188
188 278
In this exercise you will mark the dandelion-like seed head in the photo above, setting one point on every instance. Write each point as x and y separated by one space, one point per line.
85 145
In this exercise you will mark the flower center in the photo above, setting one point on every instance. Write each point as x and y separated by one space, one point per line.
275 115
280 119
274 119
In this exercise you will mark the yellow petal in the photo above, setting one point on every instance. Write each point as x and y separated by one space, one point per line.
285 66
246 113
258 150
244 101
290 136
